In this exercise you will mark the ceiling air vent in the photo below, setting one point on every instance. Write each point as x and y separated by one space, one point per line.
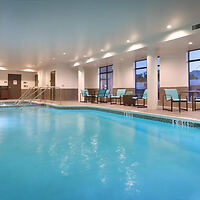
195 27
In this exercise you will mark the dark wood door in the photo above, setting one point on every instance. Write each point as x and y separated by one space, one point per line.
53 83
36 80
14 86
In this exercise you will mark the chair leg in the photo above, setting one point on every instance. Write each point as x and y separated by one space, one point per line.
171 105
187 105
179 106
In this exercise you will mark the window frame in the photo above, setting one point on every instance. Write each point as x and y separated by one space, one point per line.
191 61
107 72
146 68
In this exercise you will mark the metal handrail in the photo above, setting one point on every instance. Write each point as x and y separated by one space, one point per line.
28 95
43 90
23 95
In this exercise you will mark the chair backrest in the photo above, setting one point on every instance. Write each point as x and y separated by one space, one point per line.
107 92
129 92
101 93
84 93
145 94
171 94
121 92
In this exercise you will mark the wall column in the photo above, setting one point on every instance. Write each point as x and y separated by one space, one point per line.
152 79
81 81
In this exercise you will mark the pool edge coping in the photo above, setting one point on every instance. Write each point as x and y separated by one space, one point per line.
151 116
138 114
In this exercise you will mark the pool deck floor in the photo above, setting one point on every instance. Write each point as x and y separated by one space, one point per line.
187 115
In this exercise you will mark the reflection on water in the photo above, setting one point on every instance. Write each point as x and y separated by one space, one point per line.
94 155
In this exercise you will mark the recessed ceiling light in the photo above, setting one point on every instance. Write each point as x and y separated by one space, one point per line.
102 50
127 41
64 53
169 26
190 43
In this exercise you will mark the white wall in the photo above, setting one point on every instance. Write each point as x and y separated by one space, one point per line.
66 76
173 69
91 77
123 75
28 77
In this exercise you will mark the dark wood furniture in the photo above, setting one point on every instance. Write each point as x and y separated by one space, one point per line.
172 96
192 93
3 92
128 100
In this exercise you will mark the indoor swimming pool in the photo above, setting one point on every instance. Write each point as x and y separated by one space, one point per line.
55 154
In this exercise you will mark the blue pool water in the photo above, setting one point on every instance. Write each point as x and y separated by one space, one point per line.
49 154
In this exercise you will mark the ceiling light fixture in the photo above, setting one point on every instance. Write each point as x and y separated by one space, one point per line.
64 53
169 26
29 70
76 64
102 50
90 60
190 43
3 68
127 41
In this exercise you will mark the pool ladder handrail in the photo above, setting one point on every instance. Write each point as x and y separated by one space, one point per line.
24 95
27 95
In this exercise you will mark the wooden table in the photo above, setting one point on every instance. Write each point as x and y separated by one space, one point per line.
128 101
192 92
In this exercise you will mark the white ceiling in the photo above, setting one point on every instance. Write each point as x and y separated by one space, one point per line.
34 31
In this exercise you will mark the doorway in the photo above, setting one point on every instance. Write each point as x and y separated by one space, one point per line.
14 86
53 84
36 80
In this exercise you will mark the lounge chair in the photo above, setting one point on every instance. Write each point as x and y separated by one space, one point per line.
85 94
107 95
119 95
144 98
196 100
101 94
172 96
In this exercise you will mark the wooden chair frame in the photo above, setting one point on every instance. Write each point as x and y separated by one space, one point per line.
172 103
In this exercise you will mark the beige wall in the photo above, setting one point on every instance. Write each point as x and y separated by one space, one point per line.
123 75
66 76
173 69
28 77
91 77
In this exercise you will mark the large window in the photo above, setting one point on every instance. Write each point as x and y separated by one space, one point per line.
141 76
194 69
106 78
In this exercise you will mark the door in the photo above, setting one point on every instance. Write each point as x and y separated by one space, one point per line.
53 83
36 80
14 86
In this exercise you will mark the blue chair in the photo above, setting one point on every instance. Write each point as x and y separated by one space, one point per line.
172 96
144 98
119 95
196 100
101 94
85 94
